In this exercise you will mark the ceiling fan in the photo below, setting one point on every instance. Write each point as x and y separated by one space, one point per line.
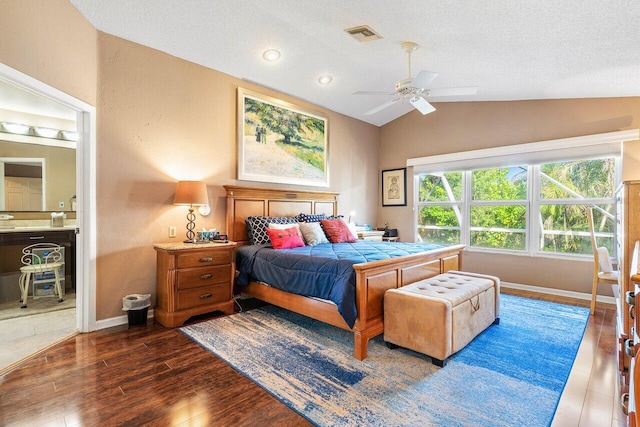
414 89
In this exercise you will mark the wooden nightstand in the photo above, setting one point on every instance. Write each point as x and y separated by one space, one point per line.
193 279
371 235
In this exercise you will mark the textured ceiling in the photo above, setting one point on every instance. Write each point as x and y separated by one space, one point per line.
510 50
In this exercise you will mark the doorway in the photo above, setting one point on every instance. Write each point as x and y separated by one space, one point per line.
85 312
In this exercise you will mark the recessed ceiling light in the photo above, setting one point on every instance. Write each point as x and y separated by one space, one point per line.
271 55
325 79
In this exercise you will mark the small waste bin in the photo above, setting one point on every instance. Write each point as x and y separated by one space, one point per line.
137 307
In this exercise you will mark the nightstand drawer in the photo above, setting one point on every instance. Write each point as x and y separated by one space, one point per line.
203 296
197 277
203 258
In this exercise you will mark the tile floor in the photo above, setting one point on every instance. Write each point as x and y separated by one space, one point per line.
22 336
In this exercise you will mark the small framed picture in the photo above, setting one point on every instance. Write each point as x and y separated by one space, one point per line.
394 188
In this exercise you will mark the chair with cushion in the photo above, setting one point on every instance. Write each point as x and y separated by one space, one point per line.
40 259
603 272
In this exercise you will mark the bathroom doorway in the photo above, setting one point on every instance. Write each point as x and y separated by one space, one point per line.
82 317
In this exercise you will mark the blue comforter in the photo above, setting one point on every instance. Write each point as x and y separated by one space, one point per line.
323 271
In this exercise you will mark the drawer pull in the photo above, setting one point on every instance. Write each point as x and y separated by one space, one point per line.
632 312
36 237
629 348
205 296
630 297
206 259
206 276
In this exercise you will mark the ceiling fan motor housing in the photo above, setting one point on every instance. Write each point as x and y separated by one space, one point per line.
403 88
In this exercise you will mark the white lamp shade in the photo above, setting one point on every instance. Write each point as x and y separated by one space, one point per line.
193 193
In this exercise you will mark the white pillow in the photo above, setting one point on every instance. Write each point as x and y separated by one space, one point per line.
604 260
353 229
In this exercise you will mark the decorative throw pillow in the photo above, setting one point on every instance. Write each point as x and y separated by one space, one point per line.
302 217
275 226
256 226
313 233
337 231
285 239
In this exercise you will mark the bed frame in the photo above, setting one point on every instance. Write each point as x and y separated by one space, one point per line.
373 279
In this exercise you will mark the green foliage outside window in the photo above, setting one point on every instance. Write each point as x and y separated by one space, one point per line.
498 213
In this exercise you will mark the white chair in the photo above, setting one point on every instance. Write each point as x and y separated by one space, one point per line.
603 272
40 258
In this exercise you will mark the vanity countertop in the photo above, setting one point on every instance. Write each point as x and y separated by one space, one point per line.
35 228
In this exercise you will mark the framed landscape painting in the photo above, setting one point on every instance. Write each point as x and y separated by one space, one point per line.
281 142
394 187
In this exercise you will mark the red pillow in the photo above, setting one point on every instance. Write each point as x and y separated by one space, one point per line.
285 239
337 231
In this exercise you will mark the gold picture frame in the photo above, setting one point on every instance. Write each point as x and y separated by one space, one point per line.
281 142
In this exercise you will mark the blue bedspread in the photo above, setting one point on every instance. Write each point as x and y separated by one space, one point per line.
323 271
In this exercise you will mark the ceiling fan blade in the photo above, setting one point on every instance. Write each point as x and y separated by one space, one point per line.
382 107
422 105
453 91
423 79
372 92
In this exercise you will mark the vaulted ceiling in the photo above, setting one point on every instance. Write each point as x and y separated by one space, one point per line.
509 50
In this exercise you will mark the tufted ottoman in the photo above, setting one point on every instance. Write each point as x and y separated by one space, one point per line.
440 315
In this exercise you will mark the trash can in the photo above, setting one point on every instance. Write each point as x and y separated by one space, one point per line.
137 307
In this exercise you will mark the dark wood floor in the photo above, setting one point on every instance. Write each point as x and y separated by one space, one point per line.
144 375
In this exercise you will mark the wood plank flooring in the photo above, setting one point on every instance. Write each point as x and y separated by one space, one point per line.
153 376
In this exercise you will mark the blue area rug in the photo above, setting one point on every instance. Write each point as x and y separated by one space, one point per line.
511 375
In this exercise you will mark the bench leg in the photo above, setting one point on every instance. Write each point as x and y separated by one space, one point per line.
391 345
438 362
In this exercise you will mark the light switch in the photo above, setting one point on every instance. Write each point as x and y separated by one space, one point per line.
172 231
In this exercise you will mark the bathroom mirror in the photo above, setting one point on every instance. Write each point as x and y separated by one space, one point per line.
37 170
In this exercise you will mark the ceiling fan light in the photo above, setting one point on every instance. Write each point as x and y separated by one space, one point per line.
271 55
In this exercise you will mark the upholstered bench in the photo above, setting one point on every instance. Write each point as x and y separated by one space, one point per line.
440 315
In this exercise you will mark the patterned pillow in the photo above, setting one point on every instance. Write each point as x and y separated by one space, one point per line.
256 227
313 233
337 231
285 238
302 217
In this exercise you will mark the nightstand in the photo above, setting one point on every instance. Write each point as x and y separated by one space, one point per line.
371 235
193 279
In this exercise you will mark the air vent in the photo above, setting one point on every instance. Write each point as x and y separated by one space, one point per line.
363 33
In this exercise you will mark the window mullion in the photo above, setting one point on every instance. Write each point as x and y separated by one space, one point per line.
534 228
465 226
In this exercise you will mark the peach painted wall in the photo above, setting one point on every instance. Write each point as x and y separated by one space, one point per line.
464 126
51 41
161 119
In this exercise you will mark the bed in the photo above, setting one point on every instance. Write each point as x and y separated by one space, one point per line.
373 278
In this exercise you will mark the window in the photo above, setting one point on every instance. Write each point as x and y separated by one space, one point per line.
440 212
526 209
567 190
498 208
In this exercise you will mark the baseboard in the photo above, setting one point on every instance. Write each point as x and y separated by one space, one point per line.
558 292
117 321
123 320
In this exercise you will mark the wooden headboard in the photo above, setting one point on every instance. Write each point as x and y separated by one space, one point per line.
243 202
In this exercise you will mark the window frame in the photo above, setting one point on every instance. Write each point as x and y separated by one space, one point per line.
533 230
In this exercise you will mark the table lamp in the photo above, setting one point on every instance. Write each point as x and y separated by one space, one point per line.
191 193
